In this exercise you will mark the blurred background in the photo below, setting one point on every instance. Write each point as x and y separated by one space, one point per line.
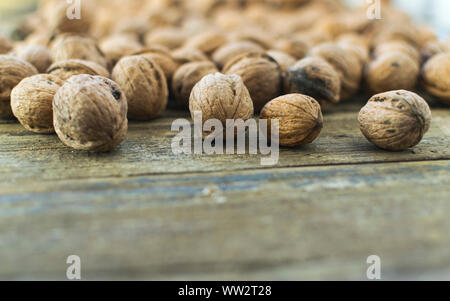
432 12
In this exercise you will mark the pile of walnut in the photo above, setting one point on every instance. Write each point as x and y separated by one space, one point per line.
285 59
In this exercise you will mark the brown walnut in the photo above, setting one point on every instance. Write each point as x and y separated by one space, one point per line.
315 77
187 55
66 69
187 76
261 74
222 97
283 59
12 71
171 38
162 57
395 120
392 71
233 49
38 56
300 118
397 46
144 85
59 22
5 45
117 46
207 41
435 77
296 47
32 101
90 113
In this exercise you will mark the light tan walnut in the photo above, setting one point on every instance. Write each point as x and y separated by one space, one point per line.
233 49
39 56
435 77
395 120
69 68
90 113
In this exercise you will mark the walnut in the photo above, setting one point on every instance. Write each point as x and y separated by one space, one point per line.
346 64
233 49
187 55
144 85
397 46
171 38
38 56
397 32
432 48
162 57
187 76
395 120
59 22
5 45
207 41
261 75
435 77
66 69
254 35
12 71
117 46
296 47
221 97
32 100
355 44
283 59
315 77
300 118
90 113
68 46
392 71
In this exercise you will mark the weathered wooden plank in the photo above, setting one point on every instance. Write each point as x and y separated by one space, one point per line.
26 156
291 223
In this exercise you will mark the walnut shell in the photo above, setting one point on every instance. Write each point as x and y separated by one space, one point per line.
187 55
296 47
395 120
32 101
90 113
66 69
433 48
436 77
117 46
261 74
283 59
254 35
12 71
233 49
187 76
392 71
171 38
221 97
397 32
346 64
68 46
300 118
144 85
5 45
38 56
207 41
162 57
357 45
397 46
59 22
315 77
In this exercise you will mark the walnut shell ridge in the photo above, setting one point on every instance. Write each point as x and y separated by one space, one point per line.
32 102
435 77
187 76
221 97
12 71
261 74
90 113
144 84
395 120
300 118
315 77
66 69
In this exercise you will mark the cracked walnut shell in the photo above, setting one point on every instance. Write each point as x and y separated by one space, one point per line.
90 113
395 120
32 102
12 71
144 84
261 74
436 77
221 97
300 118
315 77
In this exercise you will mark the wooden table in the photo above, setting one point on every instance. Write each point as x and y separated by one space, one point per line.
141 212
